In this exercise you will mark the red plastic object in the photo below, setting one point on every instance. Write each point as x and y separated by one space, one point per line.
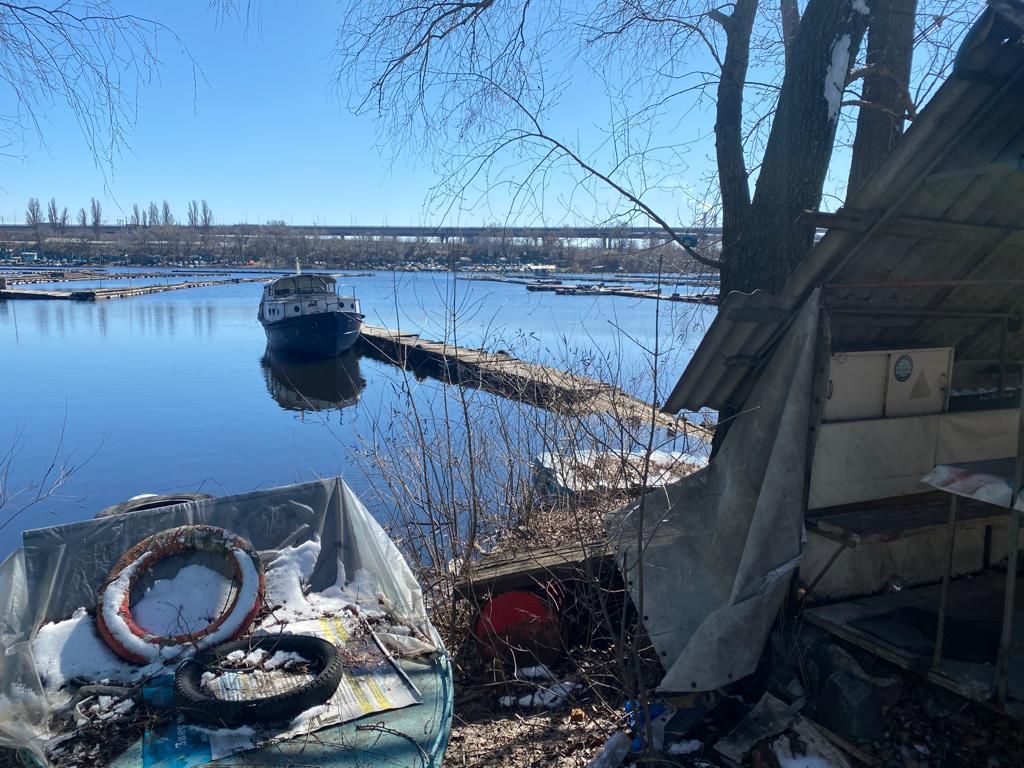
519 624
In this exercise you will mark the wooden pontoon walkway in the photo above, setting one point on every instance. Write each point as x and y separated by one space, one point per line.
517 379
120 292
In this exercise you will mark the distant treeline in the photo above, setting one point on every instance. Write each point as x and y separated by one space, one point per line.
153 236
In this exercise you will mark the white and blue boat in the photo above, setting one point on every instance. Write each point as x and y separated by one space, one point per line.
308 314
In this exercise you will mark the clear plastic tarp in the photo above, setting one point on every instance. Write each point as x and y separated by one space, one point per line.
60 569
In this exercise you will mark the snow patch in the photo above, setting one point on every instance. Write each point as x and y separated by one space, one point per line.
685 747
184 604
539 672
288 578
835 75
861 7
64 650
281 658
544 697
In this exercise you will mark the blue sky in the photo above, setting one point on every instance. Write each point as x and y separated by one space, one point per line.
262 134
261 138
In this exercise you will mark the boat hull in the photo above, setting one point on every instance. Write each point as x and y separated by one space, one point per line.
324 334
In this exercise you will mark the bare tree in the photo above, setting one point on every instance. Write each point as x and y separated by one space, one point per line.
63 224
205 216
475 84
86 55
193 214
33 213
136 219
83 220
886 101
96 212
154 215
51 213
166 217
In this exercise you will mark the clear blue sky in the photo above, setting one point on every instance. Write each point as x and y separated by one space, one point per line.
262 135
262 138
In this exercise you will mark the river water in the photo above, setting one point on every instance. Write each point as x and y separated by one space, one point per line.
174 391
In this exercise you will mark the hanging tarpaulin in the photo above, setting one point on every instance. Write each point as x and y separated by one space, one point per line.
708 560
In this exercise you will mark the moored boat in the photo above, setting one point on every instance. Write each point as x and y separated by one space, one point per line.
306 314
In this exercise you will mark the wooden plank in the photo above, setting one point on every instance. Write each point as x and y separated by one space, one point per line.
968 597
500 572
898 521
915 227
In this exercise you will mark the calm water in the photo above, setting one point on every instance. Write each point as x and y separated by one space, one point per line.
174 391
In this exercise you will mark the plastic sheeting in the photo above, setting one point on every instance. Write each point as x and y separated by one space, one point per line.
717 549
60 569
988 481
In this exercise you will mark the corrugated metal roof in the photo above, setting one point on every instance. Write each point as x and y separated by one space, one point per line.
928 252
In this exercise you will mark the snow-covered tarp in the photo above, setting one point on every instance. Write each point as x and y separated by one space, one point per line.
588 471
708 559
319 544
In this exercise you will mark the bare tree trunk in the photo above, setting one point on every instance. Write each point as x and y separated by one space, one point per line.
796 158
886 98
732 168
790 23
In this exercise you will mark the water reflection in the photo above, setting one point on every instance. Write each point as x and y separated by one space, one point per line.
312 384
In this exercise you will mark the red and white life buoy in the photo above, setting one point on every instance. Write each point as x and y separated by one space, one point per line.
128 640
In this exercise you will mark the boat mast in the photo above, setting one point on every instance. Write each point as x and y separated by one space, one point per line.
298 266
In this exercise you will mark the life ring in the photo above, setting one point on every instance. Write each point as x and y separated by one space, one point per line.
199 706
127 639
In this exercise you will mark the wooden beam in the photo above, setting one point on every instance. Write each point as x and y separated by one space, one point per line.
914 227
921 284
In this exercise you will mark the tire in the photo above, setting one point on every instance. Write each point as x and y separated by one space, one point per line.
150 502
199 706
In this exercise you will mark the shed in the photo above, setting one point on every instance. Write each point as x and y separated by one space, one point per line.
895 346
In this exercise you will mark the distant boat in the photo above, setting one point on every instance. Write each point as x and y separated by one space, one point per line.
305 314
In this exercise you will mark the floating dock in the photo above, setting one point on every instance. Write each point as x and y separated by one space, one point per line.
603 289
515 379
120 292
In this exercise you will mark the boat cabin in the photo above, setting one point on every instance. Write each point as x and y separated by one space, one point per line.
298 295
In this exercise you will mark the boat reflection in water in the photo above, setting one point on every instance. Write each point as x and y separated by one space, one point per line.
300 383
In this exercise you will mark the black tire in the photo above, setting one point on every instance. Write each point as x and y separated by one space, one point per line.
150 502
200 707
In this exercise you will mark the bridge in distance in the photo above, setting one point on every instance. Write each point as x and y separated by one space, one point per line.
437 233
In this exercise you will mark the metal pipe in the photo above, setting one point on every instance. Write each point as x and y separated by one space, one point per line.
1006 639
1002 362
923 284
880 311
940 630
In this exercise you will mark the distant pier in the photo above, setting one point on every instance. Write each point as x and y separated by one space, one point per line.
515 379
603 289
118 292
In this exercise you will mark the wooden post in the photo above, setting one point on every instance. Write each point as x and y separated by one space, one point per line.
940 630
1006 640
